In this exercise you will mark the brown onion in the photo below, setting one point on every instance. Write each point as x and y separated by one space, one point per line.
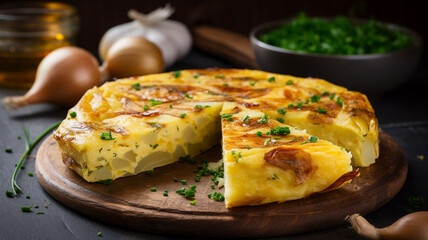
62 77
412 226
132 56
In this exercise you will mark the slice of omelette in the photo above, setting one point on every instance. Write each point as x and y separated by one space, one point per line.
123 129
266 161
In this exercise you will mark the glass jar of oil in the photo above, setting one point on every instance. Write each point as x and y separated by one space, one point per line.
28 32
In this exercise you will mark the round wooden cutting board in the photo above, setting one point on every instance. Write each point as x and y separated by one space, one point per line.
128 202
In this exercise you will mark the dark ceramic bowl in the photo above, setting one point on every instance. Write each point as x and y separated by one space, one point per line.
372 74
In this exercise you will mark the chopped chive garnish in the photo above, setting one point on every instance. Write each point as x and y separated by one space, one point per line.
322 110
22 167
184 182
264 119
267 140
252 83
149 172
315 98
212 187
289 82
146 107
107 136
226 115
170 105
183 115
245 118
155 146
8 150
186 193
313 139
9 194
259 134
219 76
153 189
324 93
332 96
281 111
27 197
26 209
226 84
188 96
216 196
198 177
271 79
187 158
175 179
199 107
290 105
73 114
189 193
99 234
38 213
165 193
299 104
19 137
30 174
275 177
280 131
136 86
339 101
106 182
177 74
155 102
281 120
193 202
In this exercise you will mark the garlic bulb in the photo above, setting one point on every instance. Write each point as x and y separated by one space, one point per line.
171 37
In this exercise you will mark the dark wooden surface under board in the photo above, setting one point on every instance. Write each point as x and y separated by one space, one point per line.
128 202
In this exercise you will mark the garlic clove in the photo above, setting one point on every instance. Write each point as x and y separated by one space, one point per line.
179 35
169 51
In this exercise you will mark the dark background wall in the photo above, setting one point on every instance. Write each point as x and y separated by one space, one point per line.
97 16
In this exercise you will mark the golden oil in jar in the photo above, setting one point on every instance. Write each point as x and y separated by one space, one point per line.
28 32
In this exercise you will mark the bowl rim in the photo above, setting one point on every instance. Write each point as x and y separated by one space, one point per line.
263 27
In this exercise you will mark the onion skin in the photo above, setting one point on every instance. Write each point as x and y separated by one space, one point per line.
62 77
412 226
133 56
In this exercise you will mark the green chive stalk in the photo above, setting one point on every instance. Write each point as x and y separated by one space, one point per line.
28 147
